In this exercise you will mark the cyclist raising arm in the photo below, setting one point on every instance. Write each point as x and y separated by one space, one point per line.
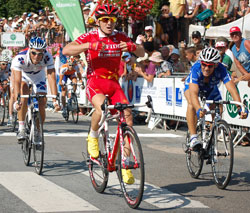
205 75
29 66
103 48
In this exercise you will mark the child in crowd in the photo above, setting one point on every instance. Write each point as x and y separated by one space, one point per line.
177 64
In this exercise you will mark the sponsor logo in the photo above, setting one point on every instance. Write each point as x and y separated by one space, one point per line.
178 97
231 108
169 96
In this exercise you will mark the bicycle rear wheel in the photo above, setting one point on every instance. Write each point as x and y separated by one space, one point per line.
2 109
222 155
38 146
132 192
98 172
194 159
75 108
26 145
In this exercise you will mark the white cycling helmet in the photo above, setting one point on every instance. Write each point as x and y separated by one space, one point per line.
4 58
210 55
37 43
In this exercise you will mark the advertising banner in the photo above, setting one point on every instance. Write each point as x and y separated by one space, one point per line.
70 14
12 39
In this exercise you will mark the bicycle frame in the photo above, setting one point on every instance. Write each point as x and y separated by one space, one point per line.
111 155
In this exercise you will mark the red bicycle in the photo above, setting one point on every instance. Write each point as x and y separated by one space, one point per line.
112 156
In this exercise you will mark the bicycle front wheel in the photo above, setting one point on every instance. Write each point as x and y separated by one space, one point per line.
98 169
194 159
26 145
222 155
38 143
2 109
75 108
132 192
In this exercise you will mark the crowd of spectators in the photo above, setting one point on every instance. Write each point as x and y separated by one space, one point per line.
44 24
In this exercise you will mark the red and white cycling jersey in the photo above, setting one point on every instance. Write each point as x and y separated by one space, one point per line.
104 64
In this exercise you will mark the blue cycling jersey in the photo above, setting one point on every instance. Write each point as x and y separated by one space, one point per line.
211 88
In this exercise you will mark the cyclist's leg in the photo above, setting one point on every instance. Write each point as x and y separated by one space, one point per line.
191 120
74 80
22 112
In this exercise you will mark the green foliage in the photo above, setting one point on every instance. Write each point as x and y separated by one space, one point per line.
157 7
17 7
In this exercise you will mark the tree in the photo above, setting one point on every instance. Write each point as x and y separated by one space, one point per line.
18 7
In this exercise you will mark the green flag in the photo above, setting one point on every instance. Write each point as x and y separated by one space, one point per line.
70 14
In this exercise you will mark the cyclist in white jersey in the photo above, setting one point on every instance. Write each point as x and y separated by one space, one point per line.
29 66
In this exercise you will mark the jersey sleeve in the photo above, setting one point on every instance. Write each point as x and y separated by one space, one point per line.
63 69
48 60
17 63
83 38
195 73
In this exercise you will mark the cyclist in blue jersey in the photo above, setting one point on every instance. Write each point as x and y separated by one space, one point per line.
206 75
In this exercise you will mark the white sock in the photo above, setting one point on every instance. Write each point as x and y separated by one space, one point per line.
93 134
21 125
193 136
10 117
126 161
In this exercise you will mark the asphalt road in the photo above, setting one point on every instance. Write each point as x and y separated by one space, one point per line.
65 186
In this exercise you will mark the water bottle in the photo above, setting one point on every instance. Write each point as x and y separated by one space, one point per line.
206 135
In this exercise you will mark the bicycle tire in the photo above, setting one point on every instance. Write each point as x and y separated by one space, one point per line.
98 173
222 155
75 108
2 109
38 149
26 145
194 159
132 192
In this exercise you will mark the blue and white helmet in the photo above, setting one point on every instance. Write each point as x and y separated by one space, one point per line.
37 43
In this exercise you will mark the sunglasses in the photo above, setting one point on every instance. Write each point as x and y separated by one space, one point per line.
106 19
207 65
4 63
35 53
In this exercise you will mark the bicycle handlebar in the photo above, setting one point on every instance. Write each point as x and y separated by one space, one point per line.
121 107
243 105
37 96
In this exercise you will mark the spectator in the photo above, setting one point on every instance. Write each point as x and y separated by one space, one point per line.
232 11
129 70
166 21
192 9
244 8
225 59
148 37
221 8
149 47
196 38
7 26
241 52
190 53
177 8
207 4
145 68
198 49
165 53
178 66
